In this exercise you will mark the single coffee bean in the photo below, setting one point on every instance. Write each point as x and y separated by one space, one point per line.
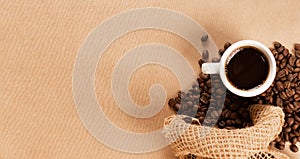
298 63
297 97
280 49
234 107
233 115
204 38
279 85
172 102
286 136
294 140
297 118
297 53
238 121
200 62
280 57
290 77
288 129
204 76
222 123
177 107
292 60
290 121
296 70
287 84
221 52
205 54
289 68
294 148
286 52
283 95
280 147
227 45
289 92
289 110
295 126
281 73
297 46
277 44
297 104
201 119
194 122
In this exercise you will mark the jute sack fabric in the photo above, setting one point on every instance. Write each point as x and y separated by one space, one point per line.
207 142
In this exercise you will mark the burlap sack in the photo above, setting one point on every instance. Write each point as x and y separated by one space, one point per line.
206 142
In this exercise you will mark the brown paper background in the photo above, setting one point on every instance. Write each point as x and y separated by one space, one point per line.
39 41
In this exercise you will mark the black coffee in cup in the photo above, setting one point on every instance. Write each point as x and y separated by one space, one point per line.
248 68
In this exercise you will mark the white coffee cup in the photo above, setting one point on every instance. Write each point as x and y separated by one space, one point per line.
219 68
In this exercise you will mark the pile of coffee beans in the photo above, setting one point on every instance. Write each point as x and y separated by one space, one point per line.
213 105
285 93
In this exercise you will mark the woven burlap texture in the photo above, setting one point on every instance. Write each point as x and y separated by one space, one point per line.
210 142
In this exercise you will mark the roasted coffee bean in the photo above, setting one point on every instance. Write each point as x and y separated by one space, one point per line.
292 60
288 129
280 49
238 121
294 140
233 115
289 110
200 62
294 148
221 52
195 122
297 46
283 95
287 84
172 102
227 45
297 53
281 73
298 63
280 57
279 86
234 107
204 38
289 92
177 107
205 54
297 104
277 44
204 76
222 123
286 52
280 147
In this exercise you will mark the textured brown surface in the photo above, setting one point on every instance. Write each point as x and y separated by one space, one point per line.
39 41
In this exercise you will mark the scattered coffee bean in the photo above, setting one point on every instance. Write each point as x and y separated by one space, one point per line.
227 45
294 148
204 38
205 54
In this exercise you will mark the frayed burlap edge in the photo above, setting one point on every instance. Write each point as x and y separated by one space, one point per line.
207 142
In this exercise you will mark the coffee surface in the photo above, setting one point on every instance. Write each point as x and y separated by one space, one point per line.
247 69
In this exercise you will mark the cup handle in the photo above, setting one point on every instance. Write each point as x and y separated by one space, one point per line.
211 68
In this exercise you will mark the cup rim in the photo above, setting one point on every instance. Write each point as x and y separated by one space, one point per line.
253 91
